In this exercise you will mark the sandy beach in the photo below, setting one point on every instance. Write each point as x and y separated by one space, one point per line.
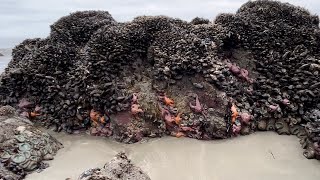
263 156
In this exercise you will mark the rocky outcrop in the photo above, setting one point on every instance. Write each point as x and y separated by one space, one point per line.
119 168
257 69
23 148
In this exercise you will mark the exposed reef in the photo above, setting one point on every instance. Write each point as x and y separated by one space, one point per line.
283 41
253 70
23 148
119 168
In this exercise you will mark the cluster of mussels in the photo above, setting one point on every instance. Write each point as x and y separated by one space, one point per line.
253 70
284 43
23 148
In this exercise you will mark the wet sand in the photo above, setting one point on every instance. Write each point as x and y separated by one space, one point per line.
262 156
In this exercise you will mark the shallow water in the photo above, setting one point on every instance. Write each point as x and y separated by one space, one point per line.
4 60
258 156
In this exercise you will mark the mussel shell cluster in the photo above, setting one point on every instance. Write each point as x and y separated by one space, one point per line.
22 146
85 60
7 174
284 41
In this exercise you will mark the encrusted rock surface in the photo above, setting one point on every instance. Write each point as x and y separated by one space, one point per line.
284 43
23 148
257 69
119 168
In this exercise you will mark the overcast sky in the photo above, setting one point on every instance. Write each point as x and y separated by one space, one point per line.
20 19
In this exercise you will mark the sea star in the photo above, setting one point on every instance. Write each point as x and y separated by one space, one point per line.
135 109
285 102
273 108
233 68
236 129
244 74
245 118
95 117
168 118
196 108
178 119
234 113
179 134
167 101
103 120
34 114
134 98
166 115
239 72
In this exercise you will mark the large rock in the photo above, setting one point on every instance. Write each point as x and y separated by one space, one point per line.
257 69
119 168
285 51
23 148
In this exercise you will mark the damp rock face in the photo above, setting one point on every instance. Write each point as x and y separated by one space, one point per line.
84 75
285 49
6 174
77 28
22 50
23 148
119 168
257 69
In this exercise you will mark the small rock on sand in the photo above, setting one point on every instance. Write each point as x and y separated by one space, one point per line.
119 168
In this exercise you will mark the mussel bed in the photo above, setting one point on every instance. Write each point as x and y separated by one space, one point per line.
253 70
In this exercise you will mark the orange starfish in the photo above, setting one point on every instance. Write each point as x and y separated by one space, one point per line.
94 116
168 101
178 119
179 134
97 118
103 120
33 114
234 113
